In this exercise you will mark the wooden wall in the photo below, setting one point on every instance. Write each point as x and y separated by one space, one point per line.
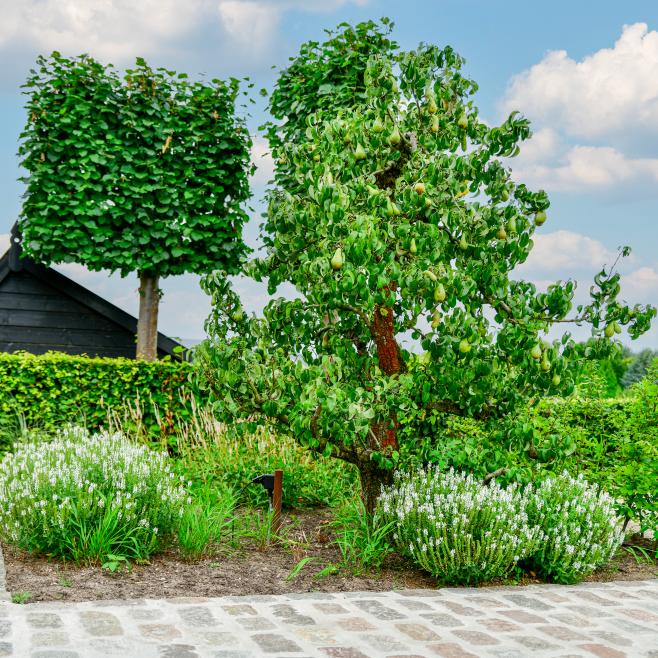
37 318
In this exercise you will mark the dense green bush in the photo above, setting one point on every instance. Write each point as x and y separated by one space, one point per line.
213 456
55 389
613 442
581 530
86 497
457 528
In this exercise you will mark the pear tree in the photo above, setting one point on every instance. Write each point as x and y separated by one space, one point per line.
400 226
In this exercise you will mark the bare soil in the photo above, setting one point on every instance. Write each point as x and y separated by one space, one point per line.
249 570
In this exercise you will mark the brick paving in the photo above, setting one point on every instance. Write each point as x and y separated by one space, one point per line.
595 620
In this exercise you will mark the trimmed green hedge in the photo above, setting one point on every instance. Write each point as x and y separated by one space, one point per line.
53 389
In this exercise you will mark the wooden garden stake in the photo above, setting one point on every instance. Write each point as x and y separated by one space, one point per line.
277 496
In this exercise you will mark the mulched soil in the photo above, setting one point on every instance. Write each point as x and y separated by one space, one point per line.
247 571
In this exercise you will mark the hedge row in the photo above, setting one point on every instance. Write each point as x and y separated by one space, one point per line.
53 389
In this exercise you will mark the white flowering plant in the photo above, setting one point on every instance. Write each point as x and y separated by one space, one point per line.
456 527
84 496
581 528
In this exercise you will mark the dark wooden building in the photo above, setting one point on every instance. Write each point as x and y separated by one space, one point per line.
42 310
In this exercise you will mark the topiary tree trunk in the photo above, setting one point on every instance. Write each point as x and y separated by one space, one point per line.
147 323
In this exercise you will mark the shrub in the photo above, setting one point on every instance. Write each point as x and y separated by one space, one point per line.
55 389
214 456
613 443
581 529
85 496
456 527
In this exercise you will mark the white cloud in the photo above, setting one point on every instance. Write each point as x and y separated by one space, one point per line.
250 23
581 167
563 252
642 284
253 23
544 143
614 90
597 118
116 30
262 158
120 30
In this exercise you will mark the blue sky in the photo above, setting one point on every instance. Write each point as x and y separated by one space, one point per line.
585 73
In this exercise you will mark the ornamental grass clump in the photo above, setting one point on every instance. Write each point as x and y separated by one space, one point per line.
457 528
84 497
581 528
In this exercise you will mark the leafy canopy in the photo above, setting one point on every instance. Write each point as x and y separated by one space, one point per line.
399 224
142 172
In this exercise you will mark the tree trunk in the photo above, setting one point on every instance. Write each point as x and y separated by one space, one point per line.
372 480
388 355
147 324
383 431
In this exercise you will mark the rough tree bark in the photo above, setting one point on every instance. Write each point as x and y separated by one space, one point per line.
147 323
383 432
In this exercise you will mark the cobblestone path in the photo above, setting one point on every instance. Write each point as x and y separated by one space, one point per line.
610 620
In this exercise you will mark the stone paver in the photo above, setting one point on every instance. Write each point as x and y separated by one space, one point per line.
604 620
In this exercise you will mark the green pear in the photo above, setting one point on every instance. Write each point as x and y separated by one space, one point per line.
378 126
412 247
535 352
395 138
359 152
556 379
434 125
439 293
419 188
337 260
391 209
462 122
464 346
540 218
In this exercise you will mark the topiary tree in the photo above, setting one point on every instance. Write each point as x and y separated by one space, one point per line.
145 172
400 227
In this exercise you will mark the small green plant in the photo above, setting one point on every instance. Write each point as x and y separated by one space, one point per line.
115 563
640 554
83 497
205 522
581 530
296 570
21 597
363 540
329 570
255 525
457 528
65 582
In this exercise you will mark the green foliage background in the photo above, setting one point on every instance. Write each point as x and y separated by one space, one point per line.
54 389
